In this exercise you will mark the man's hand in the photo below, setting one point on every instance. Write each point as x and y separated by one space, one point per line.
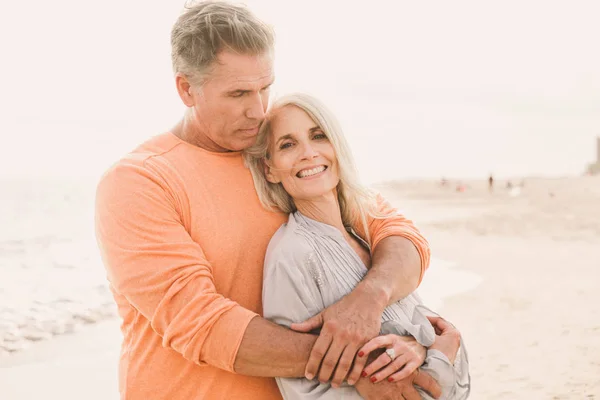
448 338
346 326
401 390
409 356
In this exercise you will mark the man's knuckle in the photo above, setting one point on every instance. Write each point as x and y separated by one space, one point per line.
344 366
318 353
330 325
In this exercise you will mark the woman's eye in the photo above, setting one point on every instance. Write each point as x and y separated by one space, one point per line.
320 136
285 146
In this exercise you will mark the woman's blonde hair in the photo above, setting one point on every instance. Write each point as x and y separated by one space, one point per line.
356 202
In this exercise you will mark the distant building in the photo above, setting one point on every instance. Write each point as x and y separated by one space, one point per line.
594 168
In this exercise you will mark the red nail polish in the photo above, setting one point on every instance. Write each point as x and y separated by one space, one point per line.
361 353
373 379
363 374
390 379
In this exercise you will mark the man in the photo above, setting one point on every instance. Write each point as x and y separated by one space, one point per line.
183 238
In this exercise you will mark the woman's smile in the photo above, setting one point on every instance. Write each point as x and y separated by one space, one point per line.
311 172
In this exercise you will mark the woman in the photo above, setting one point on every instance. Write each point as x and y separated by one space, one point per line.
301 165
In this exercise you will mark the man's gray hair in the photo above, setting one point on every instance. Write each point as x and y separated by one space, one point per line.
205 29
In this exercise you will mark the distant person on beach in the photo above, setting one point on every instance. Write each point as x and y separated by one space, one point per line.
302 165
491 183
183 238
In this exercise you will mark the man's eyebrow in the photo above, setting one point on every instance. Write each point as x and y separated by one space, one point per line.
270 83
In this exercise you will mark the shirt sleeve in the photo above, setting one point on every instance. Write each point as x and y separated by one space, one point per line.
397 225
290 295
163 273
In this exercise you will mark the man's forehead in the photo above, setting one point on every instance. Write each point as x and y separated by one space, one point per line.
232 69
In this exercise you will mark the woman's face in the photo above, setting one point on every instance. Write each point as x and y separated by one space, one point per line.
302 158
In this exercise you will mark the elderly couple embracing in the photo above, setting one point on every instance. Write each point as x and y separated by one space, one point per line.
246 259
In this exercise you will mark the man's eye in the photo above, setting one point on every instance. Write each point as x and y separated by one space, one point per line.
237 94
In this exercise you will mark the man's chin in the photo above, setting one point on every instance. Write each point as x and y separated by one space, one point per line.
243 143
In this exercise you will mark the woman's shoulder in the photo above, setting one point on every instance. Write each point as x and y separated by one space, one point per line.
288 243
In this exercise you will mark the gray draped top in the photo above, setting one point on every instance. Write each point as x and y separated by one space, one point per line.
310 266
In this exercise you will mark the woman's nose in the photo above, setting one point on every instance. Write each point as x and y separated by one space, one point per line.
308 151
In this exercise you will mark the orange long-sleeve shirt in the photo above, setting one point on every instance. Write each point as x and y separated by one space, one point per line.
183 238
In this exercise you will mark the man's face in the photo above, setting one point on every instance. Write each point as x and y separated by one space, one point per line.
231 104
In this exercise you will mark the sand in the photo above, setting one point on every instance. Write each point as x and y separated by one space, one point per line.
532 326
520 281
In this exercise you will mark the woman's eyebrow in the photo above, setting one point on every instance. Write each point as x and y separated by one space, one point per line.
288 136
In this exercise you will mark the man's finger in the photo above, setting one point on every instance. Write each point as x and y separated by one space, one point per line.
410 393
357 370
310 324
316 356
425 381
343 366
331 360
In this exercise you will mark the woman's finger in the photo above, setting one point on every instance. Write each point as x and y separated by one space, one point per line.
405 371
391 368
376 343
440 323
376 365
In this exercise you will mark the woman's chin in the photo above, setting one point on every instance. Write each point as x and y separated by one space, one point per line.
314 194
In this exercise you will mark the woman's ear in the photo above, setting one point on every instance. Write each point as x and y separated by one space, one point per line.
269 175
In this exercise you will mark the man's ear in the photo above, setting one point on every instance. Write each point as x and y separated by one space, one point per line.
269 175
184 88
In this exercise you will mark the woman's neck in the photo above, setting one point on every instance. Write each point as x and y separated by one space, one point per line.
325 209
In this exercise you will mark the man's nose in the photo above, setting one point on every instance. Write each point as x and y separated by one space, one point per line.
256 109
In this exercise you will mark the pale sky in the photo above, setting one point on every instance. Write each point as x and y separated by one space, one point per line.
423 89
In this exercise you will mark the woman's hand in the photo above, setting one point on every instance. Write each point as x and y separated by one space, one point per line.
448 338
408 356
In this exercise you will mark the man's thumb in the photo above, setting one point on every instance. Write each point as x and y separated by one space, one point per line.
310 324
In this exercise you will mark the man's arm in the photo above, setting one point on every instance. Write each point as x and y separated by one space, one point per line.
400 255
395 272
271 350
153 262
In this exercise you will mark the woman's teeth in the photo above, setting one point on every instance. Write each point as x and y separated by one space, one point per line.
313 171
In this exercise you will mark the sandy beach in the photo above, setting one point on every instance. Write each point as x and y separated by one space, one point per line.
517 273
532 326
